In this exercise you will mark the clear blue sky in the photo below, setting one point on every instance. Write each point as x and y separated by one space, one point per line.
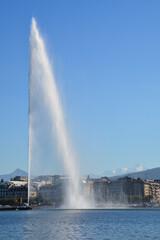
106 58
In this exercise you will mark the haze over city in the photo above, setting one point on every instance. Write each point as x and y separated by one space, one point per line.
105 58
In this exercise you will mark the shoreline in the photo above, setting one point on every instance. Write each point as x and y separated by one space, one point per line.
9 208
22 208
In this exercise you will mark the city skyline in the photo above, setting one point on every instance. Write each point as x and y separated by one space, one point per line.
106 59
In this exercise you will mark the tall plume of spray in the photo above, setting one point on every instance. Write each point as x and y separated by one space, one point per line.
41 74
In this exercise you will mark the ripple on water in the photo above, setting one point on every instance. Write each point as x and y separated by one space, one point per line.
80 224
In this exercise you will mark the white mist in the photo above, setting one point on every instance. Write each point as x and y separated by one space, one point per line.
41 76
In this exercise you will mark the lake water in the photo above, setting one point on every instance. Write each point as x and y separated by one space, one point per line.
80 224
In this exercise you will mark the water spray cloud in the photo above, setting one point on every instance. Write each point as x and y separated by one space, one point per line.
41 77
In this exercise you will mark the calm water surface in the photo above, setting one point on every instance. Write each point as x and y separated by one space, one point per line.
80 224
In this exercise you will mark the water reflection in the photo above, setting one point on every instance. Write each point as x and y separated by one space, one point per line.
54 224
80 224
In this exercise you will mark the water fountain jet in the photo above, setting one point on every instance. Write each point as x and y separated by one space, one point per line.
41 75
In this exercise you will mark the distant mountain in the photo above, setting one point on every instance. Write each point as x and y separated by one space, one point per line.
17 172
153 173
92 175
124 170
137 171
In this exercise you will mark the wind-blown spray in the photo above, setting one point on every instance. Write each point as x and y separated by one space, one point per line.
40 74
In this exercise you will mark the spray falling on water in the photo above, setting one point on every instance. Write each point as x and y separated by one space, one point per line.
41 75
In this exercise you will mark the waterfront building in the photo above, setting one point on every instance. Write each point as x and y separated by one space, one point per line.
13 191
125 191
51 193
155 190
51 190
20 178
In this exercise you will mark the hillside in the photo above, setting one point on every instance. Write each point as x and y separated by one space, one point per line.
17 172
153 173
